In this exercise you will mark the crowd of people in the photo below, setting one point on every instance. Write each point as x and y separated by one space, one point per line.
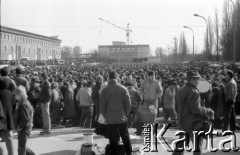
125 96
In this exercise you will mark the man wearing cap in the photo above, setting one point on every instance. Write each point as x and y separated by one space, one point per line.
230 93
20 79
190 111
115 106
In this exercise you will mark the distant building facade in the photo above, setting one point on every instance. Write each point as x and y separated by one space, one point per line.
17 45
124 53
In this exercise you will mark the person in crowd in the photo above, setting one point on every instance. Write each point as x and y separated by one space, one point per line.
150 90
76 121
86 104
45 99
190 111
169 102
115 105
217 105
230 93
7 100
24 118
5 74
34 91
20 79
69 108
135 103
95 98
55 104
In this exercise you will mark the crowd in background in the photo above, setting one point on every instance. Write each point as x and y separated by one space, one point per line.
70 96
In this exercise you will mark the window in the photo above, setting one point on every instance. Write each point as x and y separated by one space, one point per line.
8 37
11 48
29 50
46 51
14 38
23 50
5 48
11 37
1 35
20 39
4 36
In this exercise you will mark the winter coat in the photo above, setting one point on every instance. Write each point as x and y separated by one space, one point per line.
7 99
192 114
68 100
45 94
115 103
169 98
230 91
24 116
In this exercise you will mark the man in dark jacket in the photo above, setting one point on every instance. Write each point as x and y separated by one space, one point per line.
95 98
190 111
44 99
6 98
115 105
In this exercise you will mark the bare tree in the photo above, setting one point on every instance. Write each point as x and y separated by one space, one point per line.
158 51
216 23
237 6
210 41
183 49
226 36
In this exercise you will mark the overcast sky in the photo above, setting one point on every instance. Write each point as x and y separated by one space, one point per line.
76 22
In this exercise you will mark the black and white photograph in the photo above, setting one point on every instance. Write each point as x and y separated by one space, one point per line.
119 77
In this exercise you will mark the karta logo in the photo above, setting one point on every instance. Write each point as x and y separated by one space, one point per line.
152 137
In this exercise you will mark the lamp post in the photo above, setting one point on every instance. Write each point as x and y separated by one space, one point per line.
193 37
234 31
207 49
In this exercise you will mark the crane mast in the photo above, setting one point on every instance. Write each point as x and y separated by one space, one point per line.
127 30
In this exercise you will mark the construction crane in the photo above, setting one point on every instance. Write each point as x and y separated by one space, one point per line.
125 29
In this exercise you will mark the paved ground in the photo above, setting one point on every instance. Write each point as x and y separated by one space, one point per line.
66 141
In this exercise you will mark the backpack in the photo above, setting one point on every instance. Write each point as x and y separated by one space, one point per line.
3 124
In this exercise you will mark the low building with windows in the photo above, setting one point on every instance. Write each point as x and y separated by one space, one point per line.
124 53
21 45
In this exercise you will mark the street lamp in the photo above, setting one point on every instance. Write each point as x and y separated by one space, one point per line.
193 37
234 31
197 15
